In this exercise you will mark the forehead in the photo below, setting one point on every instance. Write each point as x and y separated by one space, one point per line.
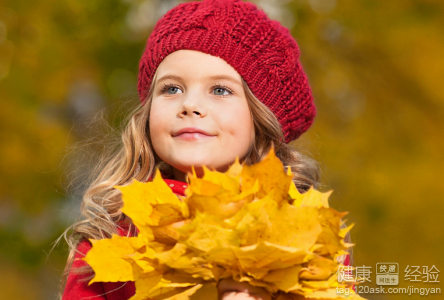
195 65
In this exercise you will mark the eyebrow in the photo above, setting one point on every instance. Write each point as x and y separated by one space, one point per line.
216 77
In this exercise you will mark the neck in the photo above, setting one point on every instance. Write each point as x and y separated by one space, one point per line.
180 176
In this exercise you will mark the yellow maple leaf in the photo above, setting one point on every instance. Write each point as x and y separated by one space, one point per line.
250 224
150 204
286 296
319 268
285 279
166 289
314 198
209 235
108 258
294 227
271 176
265 255
206 292
145 281
331 237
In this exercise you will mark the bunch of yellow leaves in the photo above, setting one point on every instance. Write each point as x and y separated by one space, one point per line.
249 223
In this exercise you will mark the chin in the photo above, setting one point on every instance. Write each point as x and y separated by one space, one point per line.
185 163
213 158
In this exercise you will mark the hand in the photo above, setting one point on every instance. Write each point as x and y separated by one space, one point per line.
228 289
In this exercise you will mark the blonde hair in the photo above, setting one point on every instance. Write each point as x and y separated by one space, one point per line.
135 158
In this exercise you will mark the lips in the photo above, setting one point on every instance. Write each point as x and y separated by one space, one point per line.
192 133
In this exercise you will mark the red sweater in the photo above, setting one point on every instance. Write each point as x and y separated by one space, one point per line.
77 289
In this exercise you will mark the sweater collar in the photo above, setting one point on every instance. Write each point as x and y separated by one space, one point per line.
178 187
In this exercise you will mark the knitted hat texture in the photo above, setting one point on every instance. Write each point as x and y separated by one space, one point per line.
261 50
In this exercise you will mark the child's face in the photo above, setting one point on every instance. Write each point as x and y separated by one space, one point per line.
191 100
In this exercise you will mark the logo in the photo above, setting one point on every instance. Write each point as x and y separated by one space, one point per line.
387 273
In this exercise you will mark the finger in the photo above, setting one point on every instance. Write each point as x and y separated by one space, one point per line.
230 285
243 296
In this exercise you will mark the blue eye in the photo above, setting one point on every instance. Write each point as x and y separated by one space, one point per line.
219 90
170 89
173 90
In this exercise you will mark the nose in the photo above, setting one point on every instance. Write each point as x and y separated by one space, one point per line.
193 105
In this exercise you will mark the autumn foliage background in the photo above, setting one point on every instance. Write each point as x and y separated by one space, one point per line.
376 69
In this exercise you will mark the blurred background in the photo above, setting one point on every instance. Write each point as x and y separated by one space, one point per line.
376 69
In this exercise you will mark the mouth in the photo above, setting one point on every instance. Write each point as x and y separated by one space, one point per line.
192 133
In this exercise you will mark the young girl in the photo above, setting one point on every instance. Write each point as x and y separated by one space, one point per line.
217 80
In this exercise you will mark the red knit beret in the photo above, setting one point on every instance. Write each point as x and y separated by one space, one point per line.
261 50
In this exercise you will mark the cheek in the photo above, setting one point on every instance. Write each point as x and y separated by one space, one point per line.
155 125
158 126
239 125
